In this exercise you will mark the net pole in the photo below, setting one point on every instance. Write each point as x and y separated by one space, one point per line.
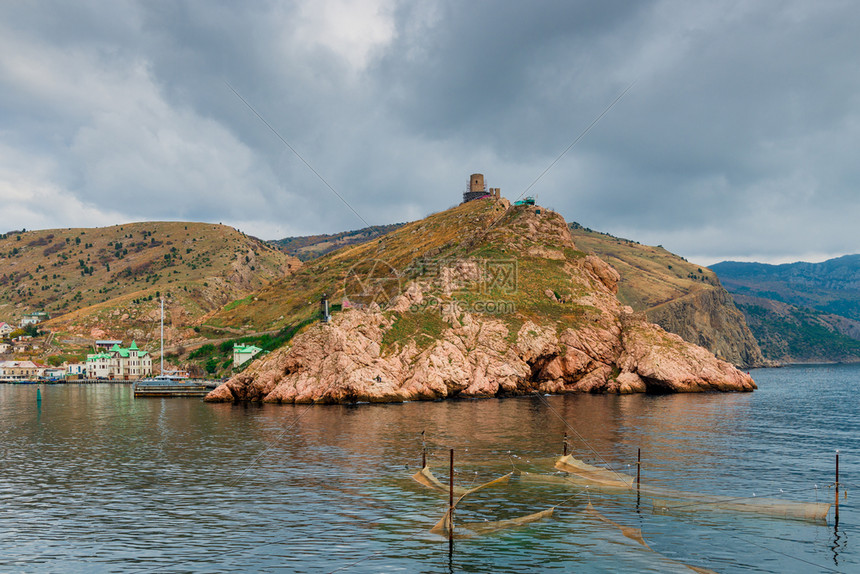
836 506
451 502
564 445
423 451
638 470
638 465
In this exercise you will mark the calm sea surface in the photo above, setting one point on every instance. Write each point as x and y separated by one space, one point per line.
94 480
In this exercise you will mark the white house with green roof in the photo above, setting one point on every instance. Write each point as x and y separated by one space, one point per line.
244 353
120 363
34 318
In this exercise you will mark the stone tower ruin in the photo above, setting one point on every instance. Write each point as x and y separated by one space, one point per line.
476 188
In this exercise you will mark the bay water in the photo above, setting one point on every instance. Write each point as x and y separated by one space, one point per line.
94 480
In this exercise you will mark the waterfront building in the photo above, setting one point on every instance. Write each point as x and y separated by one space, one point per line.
20 370
119 363
244 353
53 373
76 371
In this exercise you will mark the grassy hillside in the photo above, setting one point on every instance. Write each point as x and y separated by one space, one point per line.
650 276
296 298
313 246
109 279
508 241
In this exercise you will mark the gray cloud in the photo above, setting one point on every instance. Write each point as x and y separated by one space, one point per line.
737 140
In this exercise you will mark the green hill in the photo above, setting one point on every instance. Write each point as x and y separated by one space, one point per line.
105 282
800 312
296 298
832 286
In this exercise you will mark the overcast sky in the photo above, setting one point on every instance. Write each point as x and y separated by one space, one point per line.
740 138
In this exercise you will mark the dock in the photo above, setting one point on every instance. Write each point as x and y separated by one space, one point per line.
178 389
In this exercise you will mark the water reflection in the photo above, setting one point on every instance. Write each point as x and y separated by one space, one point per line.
95 480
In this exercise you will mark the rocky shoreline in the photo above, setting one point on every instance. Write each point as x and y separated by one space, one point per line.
343 361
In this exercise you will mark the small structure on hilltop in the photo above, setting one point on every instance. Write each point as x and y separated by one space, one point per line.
476 189
34 318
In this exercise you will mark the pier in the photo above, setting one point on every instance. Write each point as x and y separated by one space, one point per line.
177 389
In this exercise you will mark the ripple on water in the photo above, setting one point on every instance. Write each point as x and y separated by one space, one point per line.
95 481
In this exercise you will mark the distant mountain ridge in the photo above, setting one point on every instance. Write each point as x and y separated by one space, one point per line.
799 312
313 246
832 286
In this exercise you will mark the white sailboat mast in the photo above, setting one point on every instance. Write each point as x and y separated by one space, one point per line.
162 336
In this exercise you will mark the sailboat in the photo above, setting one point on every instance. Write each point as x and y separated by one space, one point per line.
173 383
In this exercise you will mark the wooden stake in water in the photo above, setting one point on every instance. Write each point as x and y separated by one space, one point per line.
423 451
638 465
836 506
451 500
564 447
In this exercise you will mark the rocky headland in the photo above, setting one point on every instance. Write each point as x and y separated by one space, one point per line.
508 307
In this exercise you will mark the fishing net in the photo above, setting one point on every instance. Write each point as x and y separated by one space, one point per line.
634 534
473 529
666 500
593 474
580 475
444 526
428 479
690 502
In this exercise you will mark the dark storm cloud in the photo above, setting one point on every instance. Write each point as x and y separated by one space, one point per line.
736 141
492 72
